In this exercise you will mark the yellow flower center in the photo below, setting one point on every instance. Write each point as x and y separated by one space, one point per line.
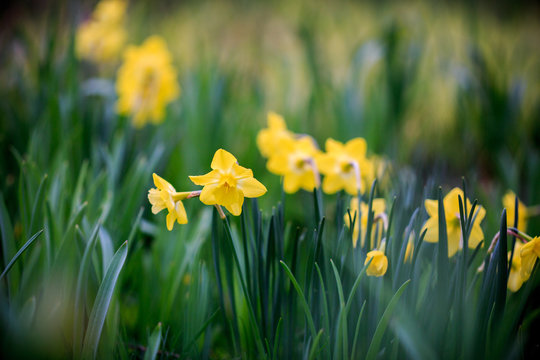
228 180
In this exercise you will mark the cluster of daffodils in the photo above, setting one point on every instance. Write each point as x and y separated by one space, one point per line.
101 38
226 185
146 82
298 159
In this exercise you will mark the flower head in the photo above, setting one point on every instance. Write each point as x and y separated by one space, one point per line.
295 161
269 140
164 196
378 265
345 166
409 251
146 82
453 226
515 280
228 183
529 253
101 38
510 205
378 207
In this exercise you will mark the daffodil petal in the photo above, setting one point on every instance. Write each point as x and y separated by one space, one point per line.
356 147
332 145
291 183
209 178
207 196
251 187
432 233
235 199
276 121
454 237
432 207
241 172
223 160
170 220
162 184
181 215
332 184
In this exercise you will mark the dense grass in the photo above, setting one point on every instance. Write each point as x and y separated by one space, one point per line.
441 95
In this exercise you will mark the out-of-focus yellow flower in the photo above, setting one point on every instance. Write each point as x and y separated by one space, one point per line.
228 183
529 253
295 161
409 251
269 139
515 280
164 196
509 203
453 226
146 82
345 166
101 38
378 265
378 208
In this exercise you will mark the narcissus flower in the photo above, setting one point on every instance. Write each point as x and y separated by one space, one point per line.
269 139
378 208
101 38
510 205
228 183
515 280
164 196
345 166
409 251
529 253
453 226
146 82
295 161
378 265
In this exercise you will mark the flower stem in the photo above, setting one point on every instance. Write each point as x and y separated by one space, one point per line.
220 211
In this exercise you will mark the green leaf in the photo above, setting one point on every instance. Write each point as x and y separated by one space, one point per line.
19 253
101 305
153 343
374 347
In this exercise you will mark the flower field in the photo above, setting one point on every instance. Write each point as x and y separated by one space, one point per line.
269 180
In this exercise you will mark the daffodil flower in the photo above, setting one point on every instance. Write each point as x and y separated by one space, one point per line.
269 140
164 196
295 161
378 265
378 207
453 226
409 250
523 215
515 280
529 253
228 183
345 166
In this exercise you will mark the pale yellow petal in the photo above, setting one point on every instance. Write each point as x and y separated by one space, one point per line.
432 207
223 160
432 233
454 238
276 121
240 172
332 184
356 147
278 164
451 202
251 187
181 215
476 235
162 184
378 206
332 145
234 202
291 183
171 218
207 196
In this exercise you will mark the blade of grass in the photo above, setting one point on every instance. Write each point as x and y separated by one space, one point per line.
19 253
153 343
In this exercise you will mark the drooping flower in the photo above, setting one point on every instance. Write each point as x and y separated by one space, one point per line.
164 196
146 82
515 280
345 166
269 139
378 207
101 38
378 265
295 161
529 253
228 183
523 215
453 226
409 251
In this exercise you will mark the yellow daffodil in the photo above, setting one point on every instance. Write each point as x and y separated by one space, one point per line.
378 208
164 196
228 183
453 226
378 265
345 166
295 161
269 140
529 253
146 82
509 203
409 251
515 280
101 38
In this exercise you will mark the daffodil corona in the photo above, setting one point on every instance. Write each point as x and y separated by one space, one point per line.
146 82
228 183
453 226
345 166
